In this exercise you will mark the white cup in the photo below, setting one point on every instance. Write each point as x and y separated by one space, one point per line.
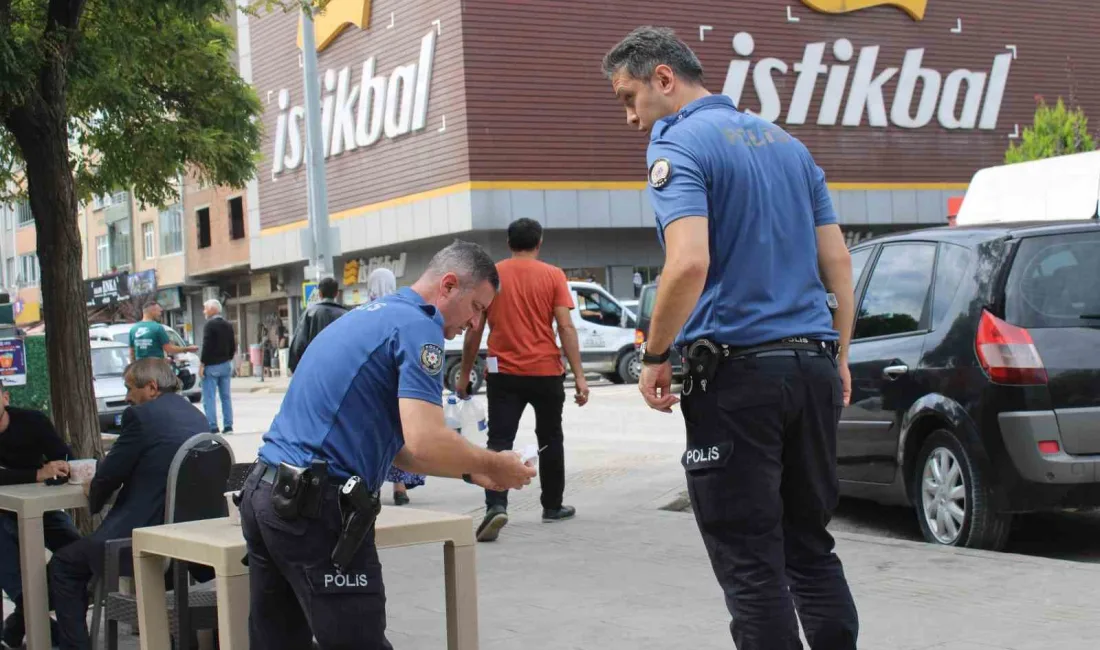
234 511
81 471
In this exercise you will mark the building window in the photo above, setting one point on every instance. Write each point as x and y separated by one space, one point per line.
102 254
236 218
202 217
28 270
9 278
121 247
149 241
171 231
23 211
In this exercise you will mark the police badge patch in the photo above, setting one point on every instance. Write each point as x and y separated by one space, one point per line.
659 172
431 358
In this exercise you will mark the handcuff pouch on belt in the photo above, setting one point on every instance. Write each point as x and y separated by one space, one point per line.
298 492
702 360
359 508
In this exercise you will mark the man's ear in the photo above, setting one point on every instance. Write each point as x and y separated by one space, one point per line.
448 283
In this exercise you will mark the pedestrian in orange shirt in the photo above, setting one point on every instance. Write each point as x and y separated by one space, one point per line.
525 367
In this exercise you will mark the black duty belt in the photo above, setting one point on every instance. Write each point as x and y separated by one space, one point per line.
702 357
270 471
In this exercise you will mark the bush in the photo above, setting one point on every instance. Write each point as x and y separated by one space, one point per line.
36 394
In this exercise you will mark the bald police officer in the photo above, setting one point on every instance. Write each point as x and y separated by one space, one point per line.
752 247
367 393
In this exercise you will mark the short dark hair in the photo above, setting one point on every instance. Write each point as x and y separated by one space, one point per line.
524 235
468 261
647 47
328 288
149 304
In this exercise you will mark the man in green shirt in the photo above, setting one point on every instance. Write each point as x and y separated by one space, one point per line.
148 338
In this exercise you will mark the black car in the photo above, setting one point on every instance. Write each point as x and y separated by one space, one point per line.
646 300
975 364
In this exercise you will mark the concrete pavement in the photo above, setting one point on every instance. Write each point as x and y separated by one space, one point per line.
626 574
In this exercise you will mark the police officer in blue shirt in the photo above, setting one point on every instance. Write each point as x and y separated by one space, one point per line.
367 394
752 247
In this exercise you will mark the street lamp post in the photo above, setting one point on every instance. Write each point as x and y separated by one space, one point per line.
315 151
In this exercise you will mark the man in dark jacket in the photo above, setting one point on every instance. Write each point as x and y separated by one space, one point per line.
153 430
30 452
317 317
219 346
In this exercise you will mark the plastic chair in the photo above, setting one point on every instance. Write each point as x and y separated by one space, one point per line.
197 481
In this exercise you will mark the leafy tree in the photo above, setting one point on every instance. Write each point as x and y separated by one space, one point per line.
1057 131
97 95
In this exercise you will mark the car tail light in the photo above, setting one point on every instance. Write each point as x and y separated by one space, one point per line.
639 339
1007 353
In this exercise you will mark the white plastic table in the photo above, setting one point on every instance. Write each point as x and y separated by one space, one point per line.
29 502
220 544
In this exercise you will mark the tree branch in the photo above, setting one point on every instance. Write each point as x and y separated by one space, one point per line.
5 14
64 14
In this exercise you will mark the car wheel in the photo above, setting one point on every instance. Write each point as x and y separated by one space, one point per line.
630 368
953 499
477 375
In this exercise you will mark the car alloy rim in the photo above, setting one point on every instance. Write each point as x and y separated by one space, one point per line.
635 367
943 495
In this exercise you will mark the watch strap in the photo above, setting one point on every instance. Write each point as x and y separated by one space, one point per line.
651 359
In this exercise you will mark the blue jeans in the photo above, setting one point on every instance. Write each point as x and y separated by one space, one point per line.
59 532
217 377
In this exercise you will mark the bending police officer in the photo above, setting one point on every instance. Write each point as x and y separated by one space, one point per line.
367 393
752 246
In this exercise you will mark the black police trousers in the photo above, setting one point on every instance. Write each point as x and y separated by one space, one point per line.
296 593
761 474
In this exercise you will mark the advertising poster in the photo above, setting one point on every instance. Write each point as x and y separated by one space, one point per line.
13 362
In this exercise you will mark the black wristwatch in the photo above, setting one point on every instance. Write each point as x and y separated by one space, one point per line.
656 359
469 479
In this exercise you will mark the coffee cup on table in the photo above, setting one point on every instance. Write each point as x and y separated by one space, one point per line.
81 471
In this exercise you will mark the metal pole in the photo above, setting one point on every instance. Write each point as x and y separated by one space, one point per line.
315 159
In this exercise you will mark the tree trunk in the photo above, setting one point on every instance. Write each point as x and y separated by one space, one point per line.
42 136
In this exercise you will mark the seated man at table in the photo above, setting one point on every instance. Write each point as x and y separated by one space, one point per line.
30 452
153 429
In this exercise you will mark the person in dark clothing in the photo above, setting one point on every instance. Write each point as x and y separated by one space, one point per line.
219 346
317 317
30 452
153 429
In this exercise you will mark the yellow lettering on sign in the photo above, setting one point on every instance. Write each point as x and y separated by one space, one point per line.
915 8
336 17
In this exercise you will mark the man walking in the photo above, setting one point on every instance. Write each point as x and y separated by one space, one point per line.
219 346
525 367
148 338
319 316
752 247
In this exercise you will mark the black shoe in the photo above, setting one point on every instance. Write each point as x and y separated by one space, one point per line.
561 514
400 498
214 430
227 430
495 518
13 629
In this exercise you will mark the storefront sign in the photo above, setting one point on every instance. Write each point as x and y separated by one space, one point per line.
960 99
169 298
382 262
915 8
355 116
13 362
106 290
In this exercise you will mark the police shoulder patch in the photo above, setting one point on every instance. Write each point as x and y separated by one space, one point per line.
431 358
659 172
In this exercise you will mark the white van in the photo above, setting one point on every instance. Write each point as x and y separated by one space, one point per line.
1052 189
605 329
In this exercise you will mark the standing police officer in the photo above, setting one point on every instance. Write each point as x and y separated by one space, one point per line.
752 246
367 393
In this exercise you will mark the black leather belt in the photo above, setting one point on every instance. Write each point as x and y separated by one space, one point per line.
268 475
783 347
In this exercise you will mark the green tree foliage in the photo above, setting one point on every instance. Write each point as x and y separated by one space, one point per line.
99 95
1057 131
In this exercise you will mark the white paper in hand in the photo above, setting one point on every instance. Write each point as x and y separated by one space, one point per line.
531 453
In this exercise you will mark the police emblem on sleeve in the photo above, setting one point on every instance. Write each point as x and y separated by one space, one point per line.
659 172
431 358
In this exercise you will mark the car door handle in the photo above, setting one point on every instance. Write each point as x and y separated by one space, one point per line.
893 372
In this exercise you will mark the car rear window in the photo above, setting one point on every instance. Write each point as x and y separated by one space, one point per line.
1054 282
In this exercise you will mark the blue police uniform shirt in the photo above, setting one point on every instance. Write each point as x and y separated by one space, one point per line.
763 195
342 406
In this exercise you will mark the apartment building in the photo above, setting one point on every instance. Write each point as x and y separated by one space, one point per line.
20 273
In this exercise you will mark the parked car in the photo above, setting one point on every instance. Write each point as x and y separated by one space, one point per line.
605 330
188 361
109 361
975 366
646 301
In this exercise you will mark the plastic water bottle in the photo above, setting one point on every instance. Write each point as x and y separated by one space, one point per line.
451 413
472 415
